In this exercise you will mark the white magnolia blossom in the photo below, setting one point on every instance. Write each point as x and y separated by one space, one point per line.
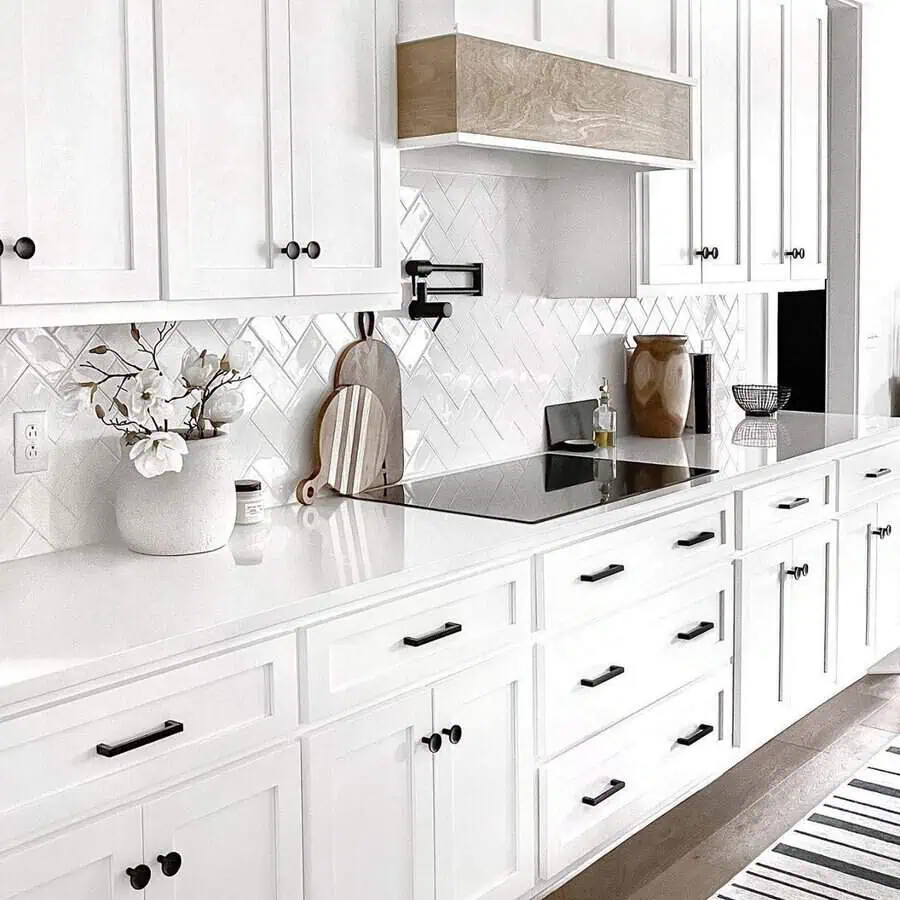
158 453
149 396
198 368
75 398
224 406
240 356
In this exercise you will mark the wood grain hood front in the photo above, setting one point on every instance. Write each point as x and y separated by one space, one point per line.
459 84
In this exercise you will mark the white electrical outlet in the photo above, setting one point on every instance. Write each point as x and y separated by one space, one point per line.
31 442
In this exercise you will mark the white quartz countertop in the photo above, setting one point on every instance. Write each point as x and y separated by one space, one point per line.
73 616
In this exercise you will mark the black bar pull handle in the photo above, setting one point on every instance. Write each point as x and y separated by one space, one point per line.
443 632
614 787
608 675
701 629
703 538
169 729
702 732
793 504
879 473
609 571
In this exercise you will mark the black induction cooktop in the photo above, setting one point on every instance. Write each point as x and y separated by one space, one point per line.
537 488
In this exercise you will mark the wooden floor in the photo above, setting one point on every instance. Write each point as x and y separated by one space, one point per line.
704 842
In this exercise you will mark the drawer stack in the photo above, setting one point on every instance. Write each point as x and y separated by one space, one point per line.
634 676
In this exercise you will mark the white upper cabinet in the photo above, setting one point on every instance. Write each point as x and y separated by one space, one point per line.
653 35
346 163
788 115
78 189
695 222
809 153
584 26
225 118
770 136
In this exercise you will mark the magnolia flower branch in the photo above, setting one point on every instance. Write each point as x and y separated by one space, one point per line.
144 397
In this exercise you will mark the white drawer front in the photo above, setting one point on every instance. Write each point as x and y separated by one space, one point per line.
638 656
868 475
784 507
363 656
642 752
193 716
634 562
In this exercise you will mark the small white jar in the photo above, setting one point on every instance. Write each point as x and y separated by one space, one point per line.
250 508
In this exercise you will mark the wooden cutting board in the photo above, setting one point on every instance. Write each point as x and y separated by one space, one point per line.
352 442
373 364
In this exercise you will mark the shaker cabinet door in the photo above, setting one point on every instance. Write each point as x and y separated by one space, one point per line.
345 159
809 623
484 784
809 148
758 674
856 594
225 118
233 836
368 808
885 539
78 188
723 51
83 863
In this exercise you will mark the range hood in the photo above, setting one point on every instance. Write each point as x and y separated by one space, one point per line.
459 89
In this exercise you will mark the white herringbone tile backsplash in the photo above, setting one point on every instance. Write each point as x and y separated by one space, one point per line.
474 392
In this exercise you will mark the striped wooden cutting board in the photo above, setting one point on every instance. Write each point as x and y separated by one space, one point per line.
352 442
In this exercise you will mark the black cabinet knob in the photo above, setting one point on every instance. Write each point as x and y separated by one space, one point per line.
796 253
883 533
454 733
434 742
170 864
24 248
707 253
2 248
292 250
799 572
139 876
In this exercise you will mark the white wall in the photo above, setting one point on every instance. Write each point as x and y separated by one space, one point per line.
474 392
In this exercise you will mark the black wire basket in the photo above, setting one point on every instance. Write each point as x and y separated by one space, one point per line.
761 399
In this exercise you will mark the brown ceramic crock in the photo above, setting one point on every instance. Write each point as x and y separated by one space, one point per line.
659 385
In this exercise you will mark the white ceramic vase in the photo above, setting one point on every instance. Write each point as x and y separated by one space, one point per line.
179 513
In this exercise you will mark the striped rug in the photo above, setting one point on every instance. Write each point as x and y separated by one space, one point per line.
848 848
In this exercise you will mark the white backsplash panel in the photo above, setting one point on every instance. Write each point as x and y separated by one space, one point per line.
474 392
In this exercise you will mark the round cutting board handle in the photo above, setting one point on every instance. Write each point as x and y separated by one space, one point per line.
308 490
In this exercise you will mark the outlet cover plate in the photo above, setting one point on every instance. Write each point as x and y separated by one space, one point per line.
31 444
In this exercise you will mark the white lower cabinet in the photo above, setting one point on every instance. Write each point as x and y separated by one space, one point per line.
598 792
429 796
868 599
232 836
85 863
786 633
